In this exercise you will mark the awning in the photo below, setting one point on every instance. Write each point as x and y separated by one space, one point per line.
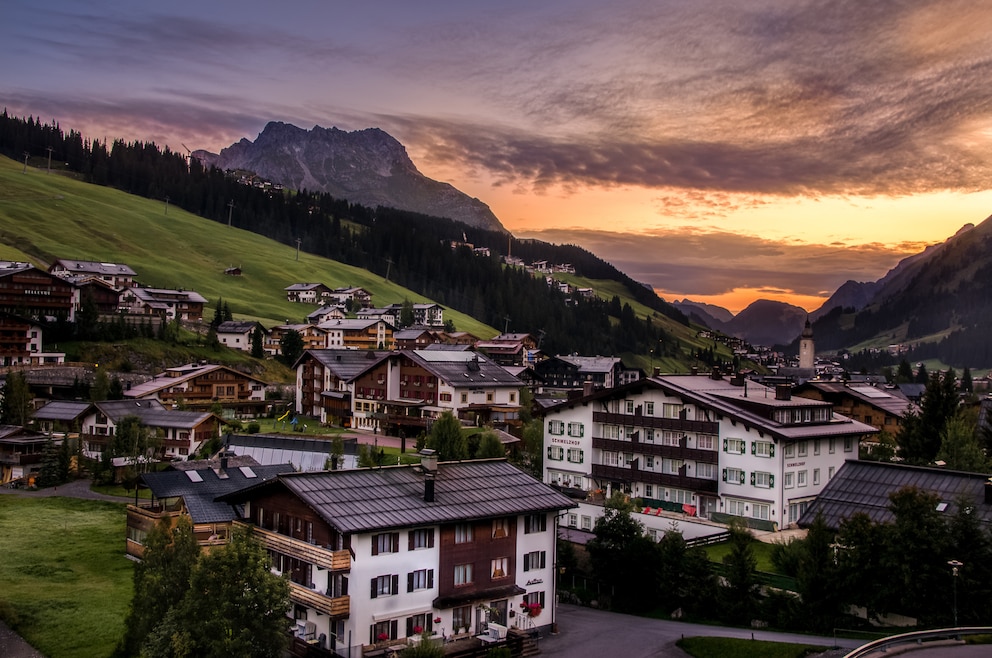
502 592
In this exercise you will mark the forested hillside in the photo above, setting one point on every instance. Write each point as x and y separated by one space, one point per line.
409 249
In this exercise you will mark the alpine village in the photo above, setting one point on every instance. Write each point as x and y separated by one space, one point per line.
245 419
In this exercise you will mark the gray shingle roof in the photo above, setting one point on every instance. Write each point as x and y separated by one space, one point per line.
345 364
200 496
862 486
151 413
460 369
64 410
364 500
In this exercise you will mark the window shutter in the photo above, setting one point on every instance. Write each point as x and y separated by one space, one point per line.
409 582
771 481
725 445
527 562
752 479
395 587
754 447
392 629
430 579
724 475
430 538
582 456
549 453
543 557
409 537
395 537
742 477
771 450
375 544
409 626
372 634
375 590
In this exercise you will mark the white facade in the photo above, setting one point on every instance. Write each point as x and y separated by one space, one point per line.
691 447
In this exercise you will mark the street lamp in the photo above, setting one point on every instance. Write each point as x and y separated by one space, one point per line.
955 566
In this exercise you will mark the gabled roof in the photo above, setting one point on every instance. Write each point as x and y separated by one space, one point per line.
863 486
93 267
200 490
176 376
157 297
151 413
891 401
350 324
412 333
372 499
460 369
589 364
12 434
238 326
63 410
300 287
345 364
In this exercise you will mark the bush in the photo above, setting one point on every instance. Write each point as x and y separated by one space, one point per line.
426 649
254 428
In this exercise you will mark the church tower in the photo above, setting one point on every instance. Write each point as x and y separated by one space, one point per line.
806 351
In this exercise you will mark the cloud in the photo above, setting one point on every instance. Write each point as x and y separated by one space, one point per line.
697 263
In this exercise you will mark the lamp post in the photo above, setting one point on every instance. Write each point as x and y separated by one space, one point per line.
955 570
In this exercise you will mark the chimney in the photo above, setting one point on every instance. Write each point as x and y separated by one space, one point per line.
657 371
223 463
429 488
694 371
587 388
428 460
715 373
988 491
783 392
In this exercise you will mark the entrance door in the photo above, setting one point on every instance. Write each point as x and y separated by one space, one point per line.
498 612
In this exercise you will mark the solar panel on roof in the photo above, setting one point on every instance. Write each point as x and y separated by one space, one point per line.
194 476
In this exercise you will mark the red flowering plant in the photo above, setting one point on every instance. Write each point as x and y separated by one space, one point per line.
534 609
437 620
418 629
382 637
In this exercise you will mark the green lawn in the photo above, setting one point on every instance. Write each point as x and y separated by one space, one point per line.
725 647
762 551
66 583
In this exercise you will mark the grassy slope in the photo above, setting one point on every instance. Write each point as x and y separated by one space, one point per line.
725 647
44 217
66 582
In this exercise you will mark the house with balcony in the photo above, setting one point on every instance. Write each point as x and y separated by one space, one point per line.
359 297
237 334
32 293
21 452
313 337
426 314
571 372
882 407
116 275
377 558
201 385
21 342
192 491
180 433
308 293
357 334
164 304
699 447
323 382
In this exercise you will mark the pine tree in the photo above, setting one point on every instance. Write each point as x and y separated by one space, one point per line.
257 348
16 406
447 439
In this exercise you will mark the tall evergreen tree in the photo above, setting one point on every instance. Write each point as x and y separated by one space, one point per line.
446 437
740 595
257 348
16 406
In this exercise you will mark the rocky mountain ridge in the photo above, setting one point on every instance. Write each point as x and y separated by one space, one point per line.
367 167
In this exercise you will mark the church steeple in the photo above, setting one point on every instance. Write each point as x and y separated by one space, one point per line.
807 357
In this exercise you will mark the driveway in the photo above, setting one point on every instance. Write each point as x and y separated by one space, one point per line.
73 489
589 632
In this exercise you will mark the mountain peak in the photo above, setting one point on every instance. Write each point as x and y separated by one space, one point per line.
369 167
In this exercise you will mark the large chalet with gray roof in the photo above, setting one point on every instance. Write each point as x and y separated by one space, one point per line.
201 385
380 557
180 433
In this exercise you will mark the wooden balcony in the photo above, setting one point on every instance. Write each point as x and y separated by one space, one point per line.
619 474
318 556
668 424
338 607
657 449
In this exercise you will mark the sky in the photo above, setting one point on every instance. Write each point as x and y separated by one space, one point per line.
721 151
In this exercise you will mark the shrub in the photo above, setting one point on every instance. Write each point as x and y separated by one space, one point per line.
254 428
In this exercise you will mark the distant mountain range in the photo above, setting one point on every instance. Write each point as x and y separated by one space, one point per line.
368 167
937 302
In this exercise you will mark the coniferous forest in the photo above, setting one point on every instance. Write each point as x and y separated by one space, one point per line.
410 249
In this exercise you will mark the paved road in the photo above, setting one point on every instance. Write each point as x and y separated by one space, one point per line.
74 489
588 632
13 646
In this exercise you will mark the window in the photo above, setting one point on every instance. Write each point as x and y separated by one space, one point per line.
556 427
499 568
706 442
830 473
387 542
671 410
535 560
761 511
816 476
803 448
423 538
489 396
790 450
649 408
628 457
734 446
763 448
629 406
830 445
556 453
461 617
385 585
463 533
649 461
576 429
464 398
421 579
535 523
736 507
424 621
534 597
501 528
801 478
681 496
788 482
611 458
648 491
463 574
446 397
733 476
575 455
384 630
848 444
673 466
586 522
513 397
706 471
611 431
670 438
572 520
816 446
762 479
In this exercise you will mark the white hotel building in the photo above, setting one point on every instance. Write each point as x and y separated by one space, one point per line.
699 446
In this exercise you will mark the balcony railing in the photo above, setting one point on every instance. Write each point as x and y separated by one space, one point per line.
318 556
657 449
337 607
670 424
620 474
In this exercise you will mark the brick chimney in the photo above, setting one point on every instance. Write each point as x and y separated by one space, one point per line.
783 392
428 462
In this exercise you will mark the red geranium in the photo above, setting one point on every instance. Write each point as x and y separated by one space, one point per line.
418 629
382 637
437 620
